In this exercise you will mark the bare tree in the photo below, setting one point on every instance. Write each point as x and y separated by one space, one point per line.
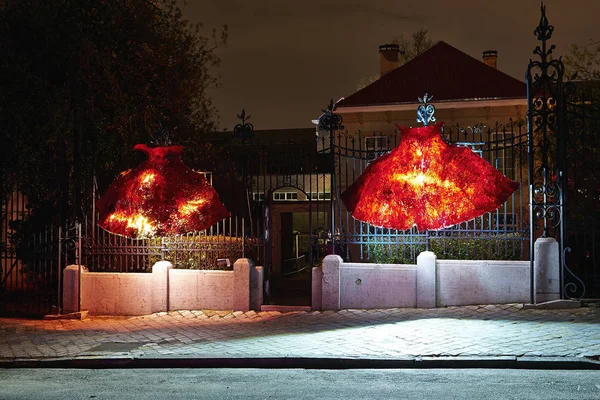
409 49
584 61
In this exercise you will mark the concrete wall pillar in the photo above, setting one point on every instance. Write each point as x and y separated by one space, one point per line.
241 284
546 268
256 288
317 289
71 288
331 283
426 280
160 286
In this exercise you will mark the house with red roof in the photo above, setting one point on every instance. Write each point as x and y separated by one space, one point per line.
475 101
465 91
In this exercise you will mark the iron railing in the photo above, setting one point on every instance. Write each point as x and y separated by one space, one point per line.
215 248
495 235
29 267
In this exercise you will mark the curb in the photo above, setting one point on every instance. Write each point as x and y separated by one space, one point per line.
508 362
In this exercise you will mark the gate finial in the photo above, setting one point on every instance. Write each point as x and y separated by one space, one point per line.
244 130
544 29
426 111
329 121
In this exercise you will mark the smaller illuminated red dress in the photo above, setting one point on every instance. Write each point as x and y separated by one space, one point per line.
160 197
425 182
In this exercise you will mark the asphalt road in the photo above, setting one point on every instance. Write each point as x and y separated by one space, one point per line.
298 384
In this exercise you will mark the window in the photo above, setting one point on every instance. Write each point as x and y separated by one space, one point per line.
376 146
320 196
285 196
258 196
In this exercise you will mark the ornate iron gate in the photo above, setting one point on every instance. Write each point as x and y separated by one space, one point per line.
31 261
581 125
289 181
564 126
501 234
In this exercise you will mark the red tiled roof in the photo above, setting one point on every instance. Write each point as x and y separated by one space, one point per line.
444 72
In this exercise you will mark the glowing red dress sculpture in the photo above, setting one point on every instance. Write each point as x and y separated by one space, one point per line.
160 197
426 183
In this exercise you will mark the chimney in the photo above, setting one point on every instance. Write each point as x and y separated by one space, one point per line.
388 58
490 57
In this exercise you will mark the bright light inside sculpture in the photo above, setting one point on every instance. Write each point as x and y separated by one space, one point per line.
190 206
136 221
426 183
161 196
147 177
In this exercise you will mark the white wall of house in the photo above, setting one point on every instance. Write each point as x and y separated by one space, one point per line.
385 118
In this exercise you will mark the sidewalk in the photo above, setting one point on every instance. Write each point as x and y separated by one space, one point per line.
495 336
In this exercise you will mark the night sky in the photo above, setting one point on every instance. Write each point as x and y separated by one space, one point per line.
286 59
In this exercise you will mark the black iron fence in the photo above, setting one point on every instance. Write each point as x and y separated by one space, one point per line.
495 235
564 121
29 261
217 247
582 187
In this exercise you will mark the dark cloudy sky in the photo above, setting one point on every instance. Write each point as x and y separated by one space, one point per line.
286 58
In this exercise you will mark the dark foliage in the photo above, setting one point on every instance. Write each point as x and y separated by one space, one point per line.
81 82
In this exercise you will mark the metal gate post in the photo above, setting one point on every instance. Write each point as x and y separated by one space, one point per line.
544 83
59 272
331 122
332 190
78 259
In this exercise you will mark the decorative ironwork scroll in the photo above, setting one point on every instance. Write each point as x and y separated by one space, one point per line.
329 121
548 149
244 130
544 87
426 111
573 290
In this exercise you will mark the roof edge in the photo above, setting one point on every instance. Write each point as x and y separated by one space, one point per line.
442 104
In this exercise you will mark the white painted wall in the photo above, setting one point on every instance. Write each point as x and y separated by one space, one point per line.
116 293
467 282
431 283
198 290
165 289
377 285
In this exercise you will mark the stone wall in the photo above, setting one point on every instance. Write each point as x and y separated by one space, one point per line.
165 289
435 283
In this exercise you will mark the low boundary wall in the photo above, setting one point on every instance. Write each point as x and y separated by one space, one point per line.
164 289
336 285
435 283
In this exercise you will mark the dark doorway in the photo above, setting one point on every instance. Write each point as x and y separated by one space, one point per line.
290 282
287 239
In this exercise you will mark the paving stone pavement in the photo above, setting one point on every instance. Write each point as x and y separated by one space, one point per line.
472 331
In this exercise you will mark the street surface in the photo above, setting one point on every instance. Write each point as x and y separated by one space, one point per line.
220 384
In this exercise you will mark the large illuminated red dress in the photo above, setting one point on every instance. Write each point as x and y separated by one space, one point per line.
160 197
425 182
